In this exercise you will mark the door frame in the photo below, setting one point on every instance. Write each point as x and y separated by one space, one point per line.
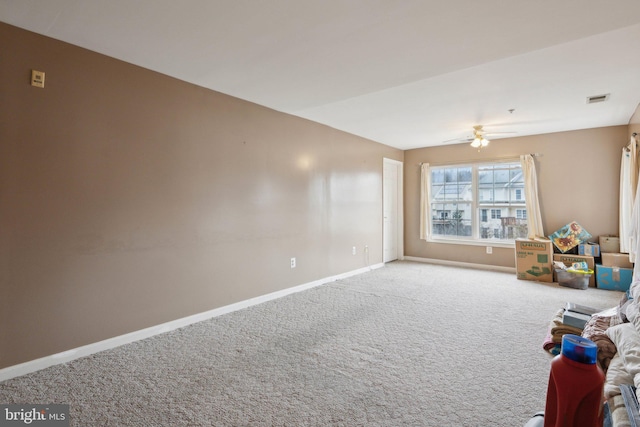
400 206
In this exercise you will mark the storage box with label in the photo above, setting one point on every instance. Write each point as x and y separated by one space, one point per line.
589 248
610 259
614 278
569 236
534 259
569 259
609 243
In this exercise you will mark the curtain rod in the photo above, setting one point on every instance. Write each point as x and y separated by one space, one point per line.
495 159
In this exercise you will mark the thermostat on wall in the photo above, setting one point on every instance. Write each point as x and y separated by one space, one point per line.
37 78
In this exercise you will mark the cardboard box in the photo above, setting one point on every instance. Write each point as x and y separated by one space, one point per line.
614 278
609 259
589 248
569 259
569 236
534 259
609 244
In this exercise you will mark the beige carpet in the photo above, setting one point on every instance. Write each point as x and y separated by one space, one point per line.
409 344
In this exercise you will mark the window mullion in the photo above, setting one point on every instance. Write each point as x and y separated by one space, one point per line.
475 207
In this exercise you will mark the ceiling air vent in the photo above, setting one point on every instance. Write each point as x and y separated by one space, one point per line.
597 98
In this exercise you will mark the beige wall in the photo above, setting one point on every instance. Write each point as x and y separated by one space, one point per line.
578 179
128 199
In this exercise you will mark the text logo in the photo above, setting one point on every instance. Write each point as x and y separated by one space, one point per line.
53 415
533 246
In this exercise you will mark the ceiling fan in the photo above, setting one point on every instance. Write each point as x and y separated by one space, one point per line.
479 137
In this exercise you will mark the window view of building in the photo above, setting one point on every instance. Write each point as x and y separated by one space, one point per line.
451 202
480 201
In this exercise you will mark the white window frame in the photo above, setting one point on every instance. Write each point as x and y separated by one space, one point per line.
476 208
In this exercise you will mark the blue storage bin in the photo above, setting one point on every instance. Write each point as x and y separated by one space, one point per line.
613 278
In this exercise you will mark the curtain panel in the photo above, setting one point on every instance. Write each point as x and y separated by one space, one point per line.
632 231
628 188
534 216
425 201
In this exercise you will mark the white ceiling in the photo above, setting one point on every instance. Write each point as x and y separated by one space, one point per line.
406 73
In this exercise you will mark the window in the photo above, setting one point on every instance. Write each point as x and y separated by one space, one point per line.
452 194
478 202
519 194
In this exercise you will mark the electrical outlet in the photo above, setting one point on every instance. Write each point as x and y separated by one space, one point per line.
489 250
293 263
353 250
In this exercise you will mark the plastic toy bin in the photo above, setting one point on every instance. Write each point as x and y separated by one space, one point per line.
577 279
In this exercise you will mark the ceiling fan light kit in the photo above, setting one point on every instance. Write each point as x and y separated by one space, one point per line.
479 141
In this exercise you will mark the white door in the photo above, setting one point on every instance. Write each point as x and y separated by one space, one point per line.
392 210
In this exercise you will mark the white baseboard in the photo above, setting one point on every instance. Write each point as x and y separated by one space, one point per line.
76 353
461 264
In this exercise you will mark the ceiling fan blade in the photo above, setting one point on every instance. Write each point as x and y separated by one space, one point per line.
458 140
500 133
478 132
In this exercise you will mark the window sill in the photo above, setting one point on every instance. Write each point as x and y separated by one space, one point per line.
466 242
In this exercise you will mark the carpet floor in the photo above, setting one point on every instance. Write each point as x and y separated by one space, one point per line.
409 344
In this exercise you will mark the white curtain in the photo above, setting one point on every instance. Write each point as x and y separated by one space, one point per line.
628 187
634 223
634 233
534 217
425 201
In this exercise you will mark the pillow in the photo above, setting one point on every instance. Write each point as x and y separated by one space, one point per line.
622 307
627 340
616 375
631 311
633 314
622 311
634 289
